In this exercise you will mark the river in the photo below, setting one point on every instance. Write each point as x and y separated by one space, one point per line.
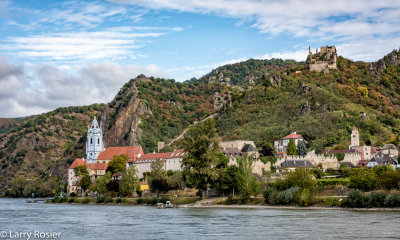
75 221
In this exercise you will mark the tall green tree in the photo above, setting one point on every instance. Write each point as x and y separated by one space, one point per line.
129 182
157 178
117 164
102 182
201 147
291 148
247 183
301 148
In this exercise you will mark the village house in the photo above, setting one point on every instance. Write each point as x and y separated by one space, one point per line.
383 159
281 144
72 186
389 149
172 161
291 165
239 148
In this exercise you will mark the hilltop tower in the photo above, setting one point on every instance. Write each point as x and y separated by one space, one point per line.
94 143
355 138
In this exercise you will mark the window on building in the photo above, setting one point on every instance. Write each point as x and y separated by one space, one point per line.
91 140
98 141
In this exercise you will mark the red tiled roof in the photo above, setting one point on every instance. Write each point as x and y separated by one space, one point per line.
293 135
281 153
78 162
131 151
153 156
97 166
118 174
336 151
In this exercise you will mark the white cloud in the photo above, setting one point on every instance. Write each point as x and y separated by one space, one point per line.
117 43
356 22
46 87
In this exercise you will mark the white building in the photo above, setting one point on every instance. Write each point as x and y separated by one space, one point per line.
94 143
172 161
281 144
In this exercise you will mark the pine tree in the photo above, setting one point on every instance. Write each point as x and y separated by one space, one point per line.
301 148
291 148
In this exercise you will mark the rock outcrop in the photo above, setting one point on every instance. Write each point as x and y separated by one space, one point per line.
120 123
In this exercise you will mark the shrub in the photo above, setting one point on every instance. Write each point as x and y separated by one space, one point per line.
377 200
108 200
86 200
287 196
392 201
333 181
119 200
73 194
71 200
139 201
267 193
355 199
305 198
100 200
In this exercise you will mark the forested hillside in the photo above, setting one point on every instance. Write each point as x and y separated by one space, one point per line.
258 100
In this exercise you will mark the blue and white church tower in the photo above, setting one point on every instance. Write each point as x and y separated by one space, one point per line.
94 143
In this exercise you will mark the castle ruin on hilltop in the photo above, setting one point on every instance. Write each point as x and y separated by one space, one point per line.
324 60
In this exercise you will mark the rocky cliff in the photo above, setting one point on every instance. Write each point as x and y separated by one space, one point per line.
122 117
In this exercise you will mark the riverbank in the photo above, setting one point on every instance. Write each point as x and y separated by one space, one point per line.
236 206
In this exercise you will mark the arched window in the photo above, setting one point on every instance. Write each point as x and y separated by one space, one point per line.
91 140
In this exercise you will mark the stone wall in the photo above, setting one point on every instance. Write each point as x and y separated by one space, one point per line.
352 158
258 166
239 144
315 159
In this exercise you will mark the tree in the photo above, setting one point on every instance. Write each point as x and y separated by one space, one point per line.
362 179
85 180
247 183
340 156
389 179
117 164
267 150
302 178
156 176
176 180
228 180
291 148
201 146
129 182
301 148
102 182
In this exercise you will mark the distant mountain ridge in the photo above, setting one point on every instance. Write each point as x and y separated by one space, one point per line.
257 100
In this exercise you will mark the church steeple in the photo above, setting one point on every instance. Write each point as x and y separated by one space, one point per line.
94 143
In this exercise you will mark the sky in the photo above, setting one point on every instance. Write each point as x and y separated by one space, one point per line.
70 53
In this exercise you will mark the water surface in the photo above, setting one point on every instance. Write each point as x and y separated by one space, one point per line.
75 221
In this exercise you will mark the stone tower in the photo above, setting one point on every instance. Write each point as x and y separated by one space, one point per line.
355 138
94 143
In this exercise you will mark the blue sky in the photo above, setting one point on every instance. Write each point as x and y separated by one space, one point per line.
63 53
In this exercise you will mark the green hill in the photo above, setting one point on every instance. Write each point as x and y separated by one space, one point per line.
258 100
